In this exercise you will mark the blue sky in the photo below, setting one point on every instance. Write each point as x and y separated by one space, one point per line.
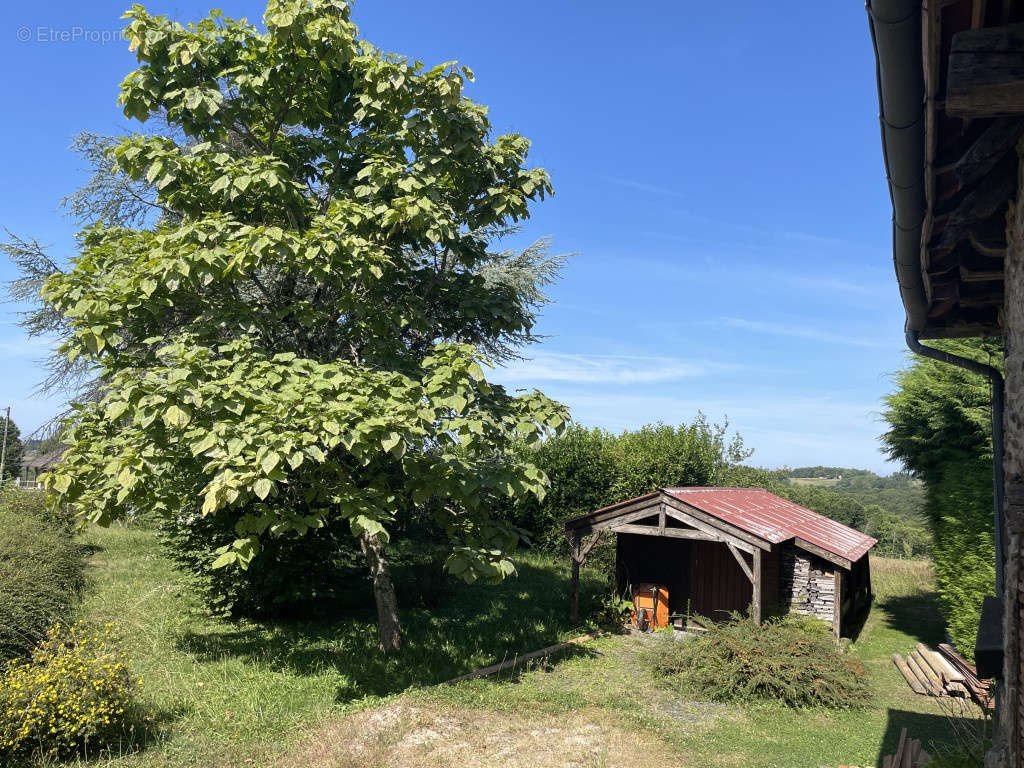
717 171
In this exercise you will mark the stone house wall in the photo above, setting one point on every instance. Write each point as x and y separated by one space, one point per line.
1009 737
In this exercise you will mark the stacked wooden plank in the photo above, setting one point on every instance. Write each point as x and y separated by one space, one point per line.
979 689
942 673
930 674
908 754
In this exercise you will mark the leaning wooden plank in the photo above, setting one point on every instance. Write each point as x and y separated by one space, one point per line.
485 671
934 681
912 681
887 762
908 753
897 758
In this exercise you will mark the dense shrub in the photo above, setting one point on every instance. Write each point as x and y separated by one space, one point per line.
793 660
289 575
40 571
321 571
660 456
33 504
73 696
591 468
939 427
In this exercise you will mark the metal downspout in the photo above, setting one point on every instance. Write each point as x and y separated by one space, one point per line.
996 379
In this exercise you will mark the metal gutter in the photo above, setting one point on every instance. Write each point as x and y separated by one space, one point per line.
896 37
995 377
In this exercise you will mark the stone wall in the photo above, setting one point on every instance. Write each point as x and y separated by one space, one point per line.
806 584
1009 742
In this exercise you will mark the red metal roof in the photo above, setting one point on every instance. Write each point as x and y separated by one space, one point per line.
774 519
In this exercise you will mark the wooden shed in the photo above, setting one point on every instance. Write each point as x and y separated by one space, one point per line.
726 549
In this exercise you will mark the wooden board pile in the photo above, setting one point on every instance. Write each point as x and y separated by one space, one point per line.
943 673
908 754
979 689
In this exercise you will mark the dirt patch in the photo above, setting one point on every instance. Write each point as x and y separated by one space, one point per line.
403 736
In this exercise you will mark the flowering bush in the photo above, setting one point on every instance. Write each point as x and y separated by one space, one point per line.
74 694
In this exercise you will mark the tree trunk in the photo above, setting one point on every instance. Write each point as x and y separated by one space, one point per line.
383 594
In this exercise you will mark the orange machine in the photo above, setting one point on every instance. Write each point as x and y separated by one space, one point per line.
650 607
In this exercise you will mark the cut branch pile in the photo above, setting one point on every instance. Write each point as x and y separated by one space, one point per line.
942 673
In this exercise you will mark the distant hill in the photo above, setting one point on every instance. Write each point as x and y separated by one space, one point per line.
898 493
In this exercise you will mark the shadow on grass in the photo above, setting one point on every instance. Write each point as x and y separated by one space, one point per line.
476 626
937 733
545 663
916 615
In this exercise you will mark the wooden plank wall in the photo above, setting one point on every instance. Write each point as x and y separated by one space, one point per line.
717 582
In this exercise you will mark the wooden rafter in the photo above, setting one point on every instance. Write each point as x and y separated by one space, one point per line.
741 561
585 549
931 41
823 553
986 72
648 509
672 533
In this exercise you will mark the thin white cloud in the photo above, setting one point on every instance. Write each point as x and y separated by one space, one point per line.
832 286
605 369
800 332
26 347
644 186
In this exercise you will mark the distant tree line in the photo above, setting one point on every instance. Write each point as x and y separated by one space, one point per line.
590 468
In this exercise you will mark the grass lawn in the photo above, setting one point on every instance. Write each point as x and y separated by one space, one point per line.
316 693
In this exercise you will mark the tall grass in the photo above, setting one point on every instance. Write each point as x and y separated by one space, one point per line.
892 576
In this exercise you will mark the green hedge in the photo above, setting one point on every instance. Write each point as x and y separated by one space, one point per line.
41 571
939 427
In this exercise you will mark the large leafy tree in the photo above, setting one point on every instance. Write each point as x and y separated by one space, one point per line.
940 429
299 338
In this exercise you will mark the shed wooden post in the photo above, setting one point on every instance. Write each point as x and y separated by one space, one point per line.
755 599
574 613
837 606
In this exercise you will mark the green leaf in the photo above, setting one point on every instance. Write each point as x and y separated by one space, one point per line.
116 410
209 440
390 440
226 559
270 461
176 417
262 488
